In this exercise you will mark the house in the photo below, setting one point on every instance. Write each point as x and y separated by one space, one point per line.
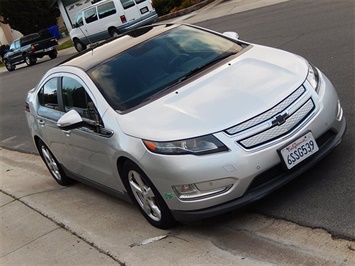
7 35
69 9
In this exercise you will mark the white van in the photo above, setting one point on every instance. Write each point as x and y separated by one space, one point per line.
109 18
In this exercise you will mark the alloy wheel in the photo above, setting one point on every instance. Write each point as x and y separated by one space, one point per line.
51 163
144 195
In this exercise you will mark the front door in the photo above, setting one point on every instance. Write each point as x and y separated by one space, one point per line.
90 151
93 27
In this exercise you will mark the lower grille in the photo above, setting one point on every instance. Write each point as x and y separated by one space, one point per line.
276 172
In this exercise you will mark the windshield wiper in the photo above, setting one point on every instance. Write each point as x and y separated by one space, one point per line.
191 73
198 69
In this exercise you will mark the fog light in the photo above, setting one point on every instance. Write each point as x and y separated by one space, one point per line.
191 192
339 114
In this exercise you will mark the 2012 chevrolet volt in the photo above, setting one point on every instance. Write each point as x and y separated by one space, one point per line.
185 122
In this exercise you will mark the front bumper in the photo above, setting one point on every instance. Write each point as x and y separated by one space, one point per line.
268 181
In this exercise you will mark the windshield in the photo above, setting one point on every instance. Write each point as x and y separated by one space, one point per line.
147 69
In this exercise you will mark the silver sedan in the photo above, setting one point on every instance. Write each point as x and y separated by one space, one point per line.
185 122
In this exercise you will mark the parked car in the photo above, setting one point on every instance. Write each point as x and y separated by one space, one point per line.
107 19
28 48
186 122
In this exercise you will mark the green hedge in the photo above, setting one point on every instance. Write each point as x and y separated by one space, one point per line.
164 7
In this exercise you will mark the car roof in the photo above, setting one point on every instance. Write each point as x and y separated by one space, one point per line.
108 49
95 4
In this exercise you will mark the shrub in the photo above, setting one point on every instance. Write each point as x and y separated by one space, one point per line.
163 7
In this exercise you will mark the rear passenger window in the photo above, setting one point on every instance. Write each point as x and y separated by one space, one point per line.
47 96
106 10
127 3
90 15
75 97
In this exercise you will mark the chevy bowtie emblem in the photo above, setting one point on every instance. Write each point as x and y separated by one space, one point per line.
279 120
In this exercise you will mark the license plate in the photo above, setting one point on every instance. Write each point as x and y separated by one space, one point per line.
144 10
299 150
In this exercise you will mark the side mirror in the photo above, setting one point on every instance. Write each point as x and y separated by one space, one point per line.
231 34
70 120
76 25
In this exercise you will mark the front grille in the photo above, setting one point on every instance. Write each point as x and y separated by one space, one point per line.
274 173
279 130
268 114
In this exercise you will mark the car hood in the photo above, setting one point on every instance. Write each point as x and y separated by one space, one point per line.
242 88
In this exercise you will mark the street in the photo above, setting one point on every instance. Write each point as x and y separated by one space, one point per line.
324 197
320 203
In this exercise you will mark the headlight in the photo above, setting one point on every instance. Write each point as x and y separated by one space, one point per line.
313 77
198 146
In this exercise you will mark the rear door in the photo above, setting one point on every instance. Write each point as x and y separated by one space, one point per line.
48 113
131 10
144 7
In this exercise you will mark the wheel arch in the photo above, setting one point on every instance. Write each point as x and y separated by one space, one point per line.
112 28
36 140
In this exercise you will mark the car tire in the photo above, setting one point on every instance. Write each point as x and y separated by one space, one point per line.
113 32
10 67
53 165
143 193
30 60
79 46
53 54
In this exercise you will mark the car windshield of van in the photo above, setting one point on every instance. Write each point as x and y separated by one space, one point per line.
143 72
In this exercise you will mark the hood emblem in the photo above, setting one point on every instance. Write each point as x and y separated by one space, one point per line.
279 119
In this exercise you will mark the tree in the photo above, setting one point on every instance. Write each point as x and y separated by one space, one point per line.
28 16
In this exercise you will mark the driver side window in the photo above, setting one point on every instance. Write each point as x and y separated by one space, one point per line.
75 97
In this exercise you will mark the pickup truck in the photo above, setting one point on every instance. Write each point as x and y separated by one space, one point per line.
28 48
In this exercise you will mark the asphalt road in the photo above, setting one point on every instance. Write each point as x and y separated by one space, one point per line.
14 133
322 32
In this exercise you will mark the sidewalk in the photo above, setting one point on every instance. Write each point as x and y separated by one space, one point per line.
44 223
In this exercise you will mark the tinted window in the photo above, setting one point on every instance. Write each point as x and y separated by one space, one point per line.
90 15
125 80
127 3
47 96
106 10
75 97
140 1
